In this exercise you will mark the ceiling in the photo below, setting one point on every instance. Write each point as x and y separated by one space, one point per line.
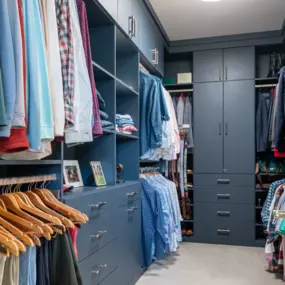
192 19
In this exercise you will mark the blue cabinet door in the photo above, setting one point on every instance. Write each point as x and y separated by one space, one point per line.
111 7
137 13
160 49
124 14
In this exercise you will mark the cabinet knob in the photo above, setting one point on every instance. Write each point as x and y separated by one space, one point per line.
101 267
153 56
223 213
223 232
131 20
223 181
223 196
132 209
132 194
98 205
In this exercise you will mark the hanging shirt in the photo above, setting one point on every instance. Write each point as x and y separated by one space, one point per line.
11 270
19 110
83 111
54 65
28 267
7 65
67 58
97 128
3 116
40 114
180 111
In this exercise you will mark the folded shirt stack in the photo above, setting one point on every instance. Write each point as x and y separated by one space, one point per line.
103 115
125 124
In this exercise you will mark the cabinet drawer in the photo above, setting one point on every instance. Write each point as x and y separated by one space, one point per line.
98 232
224 212
221 194
127 195
224 180
211 227
98 266
95 203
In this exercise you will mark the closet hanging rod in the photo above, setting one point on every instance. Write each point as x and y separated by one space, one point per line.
266 85
27 179
143 68
180 90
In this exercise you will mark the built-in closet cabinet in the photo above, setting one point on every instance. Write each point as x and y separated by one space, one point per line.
224 64
111 6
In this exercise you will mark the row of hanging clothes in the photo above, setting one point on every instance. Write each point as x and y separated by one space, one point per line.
161 215
37 235
273 219
270 114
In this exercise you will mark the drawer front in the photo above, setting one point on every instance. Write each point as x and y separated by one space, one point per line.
211 227
220 194
94 204
127 195
98 266
224 212
98 232
224 180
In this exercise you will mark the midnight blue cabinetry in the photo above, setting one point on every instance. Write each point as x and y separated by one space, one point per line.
110 243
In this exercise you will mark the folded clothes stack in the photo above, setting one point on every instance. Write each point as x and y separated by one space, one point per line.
103 115
125 124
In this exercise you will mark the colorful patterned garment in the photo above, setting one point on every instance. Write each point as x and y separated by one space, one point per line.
67 58
97 128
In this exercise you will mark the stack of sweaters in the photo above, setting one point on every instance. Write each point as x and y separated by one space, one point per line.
103 115
125 124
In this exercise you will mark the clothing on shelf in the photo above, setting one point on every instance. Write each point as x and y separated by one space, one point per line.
161 217
107 125
125 124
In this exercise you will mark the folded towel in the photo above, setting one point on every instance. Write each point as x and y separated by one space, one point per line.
126 116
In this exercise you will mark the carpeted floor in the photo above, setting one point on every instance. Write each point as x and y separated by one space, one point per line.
204 264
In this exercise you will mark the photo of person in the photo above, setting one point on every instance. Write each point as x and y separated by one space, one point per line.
71 173
98 173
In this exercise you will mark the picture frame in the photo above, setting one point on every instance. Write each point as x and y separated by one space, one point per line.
72 174
98 173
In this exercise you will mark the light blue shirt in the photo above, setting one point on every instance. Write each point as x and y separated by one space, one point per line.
7 65
39 108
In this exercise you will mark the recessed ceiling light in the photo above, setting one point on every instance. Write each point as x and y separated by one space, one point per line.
210 0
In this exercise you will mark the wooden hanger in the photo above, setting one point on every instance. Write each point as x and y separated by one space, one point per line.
9 244
48 198
19 221
36 200
38 226
7 234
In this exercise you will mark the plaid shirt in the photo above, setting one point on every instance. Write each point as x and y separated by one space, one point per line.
97 128
67 57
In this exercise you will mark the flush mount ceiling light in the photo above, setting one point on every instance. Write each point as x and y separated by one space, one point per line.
211 0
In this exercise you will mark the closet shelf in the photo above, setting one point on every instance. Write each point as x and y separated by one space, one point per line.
187 221
269 80
188 238
175 86
258 207
101 73
123 89
261 190
108 132
150 161
258 224
122 136
30 162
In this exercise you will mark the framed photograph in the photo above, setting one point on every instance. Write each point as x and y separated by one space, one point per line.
71 173
98 173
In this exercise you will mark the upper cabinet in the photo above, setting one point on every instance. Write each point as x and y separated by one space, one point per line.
134 18
111 6
224 65
208 65
239 63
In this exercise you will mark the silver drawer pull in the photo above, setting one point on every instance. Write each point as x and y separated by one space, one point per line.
223 232
132 209
223 196
98 205
223 213
223 181
99 235
101 267
132 194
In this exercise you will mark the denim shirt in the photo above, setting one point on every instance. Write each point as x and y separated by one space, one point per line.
150 114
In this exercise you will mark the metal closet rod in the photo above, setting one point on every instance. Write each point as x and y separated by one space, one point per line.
27 179
180 90
266 85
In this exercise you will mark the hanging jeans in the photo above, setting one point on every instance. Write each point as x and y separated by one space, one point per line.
262 122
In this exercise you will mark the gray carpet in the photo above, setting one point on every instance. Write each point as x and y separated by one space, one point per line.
203 264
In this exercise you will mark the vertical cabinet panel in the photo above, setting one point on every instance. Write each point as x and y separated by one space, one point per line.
239 63
111 7
208 65
239 124
208 133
